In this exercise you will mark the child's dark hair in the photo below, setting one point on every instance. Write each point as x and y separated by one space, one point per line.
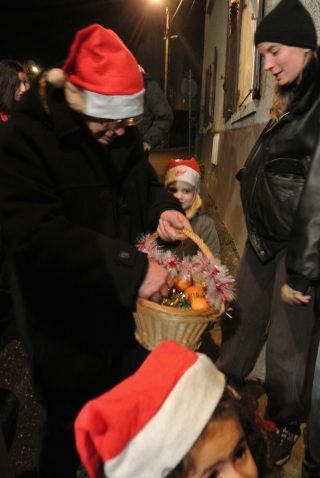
233 405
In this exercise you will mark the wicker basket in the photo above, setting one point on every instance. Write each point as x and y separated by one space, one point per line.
156 323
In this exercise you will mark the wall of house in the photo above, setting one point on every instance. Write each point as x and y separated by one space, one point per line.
238 134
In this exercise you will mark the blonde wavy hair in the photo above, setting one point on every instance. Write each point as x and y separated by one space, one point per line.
283 94
197 203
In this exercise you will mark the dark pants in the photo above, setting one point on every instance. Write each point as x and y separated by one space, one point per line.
258 303
5 465
64 380
311 462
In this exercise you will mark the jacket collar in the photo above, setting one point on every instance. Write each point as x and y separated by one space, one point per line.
305 94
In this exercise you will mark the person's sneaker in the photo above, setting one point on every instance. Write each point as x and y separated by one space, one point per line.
281 443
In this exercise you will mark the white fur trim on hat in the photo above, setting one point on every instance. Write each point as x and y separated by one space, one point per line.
103 106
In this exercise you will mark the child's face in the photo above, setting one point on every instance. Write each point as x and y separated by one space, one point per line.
223 453
184 192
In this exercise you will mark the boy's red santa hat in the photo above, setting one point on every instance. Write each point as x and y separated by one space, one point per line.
144 426
101 76
186 170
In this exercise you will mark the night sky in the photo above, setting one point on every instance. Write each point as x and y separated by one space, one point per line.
42 30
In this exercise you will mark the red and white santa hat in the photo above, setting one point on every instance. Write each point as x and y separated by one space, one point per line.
186 170
144 426
101 77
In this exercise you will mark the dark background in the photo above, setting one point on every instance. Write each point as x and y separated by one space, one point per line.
43 30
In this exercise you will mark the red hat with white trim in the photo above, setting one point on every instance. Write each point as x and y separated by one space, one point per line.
101 77
143 427
186 170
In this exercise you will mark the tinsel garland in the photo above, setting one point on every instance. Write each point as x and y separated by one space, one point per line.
214 277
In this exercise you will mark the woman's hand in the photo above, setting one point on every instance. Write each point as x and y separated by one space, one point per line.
170 219
293 297
156 284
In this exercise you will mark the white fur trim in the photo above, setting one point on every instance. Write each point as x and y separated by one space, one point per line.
104 106
57 77
171 433
183 173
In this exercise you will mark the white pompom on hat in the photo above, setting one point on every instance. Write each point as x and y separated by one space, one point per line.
143 427
101 77
186 170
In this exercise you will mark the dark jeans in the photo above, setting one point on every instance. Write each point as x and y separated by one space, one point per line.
311 462
63 386
258 303
5 465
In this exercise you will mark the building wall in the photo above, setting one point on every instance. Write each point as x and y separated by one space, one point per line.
238 134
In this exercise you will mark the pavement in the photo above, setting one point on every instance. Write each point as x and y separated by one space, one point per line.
15 372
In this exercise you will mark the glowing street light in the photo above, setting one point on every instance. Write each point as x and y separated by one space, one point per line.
166 55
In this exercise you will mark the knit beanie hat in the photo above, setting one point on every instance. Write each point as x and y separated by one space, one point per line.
186 170
101 77
144 426
289 23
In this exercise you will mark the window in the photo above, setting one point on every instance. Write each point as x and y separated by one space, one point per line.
232 59
257 58
210 91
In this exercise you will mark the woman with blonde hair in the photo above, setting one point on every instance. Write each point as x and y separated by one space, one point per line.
279 272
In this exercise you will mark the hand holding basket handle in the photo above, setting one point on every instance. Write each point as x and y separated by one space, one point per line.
171 224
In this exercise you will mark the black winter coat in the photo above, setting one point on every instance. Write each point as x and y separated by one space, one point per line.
157 116
71 212
280 184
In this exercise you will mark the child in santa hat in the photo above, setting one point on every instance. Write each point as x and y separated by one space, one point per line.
174 418
182 179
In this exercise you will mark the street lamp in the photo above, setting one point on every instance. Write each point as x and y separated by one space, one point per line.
166 55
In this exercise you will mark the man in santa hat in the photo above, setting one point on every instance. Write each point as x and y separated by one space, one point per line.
76 192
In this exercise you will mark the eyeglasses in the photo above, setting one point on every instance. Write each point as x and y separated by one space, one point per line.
121 122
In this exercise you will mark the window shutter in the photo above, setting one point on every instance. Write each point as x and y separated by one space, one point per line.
230 86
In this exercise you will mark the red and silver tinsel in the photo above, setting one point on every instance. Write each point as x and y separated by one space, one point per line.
213 276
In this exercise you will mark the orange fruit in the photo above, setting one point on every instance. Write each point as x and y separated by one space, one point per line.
196 290
199 303
181 284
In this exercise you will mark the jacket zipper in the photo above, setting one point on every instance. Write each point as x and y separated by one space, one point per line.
277 121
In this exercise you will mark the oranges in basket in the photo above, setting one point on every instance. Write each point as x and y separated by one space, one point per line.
181 283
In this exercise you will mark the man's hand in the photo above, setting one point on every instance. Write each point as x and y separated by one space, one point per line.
293 297
170 219
156 284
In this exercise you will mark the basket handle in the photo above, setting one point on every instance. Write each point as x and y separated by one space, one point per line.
194 237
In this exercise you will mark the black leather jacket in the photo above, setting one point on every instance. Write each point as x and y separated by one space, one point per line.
280 184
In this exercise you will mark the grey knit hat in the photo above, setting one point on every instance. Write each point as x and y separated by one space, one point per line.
289 23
